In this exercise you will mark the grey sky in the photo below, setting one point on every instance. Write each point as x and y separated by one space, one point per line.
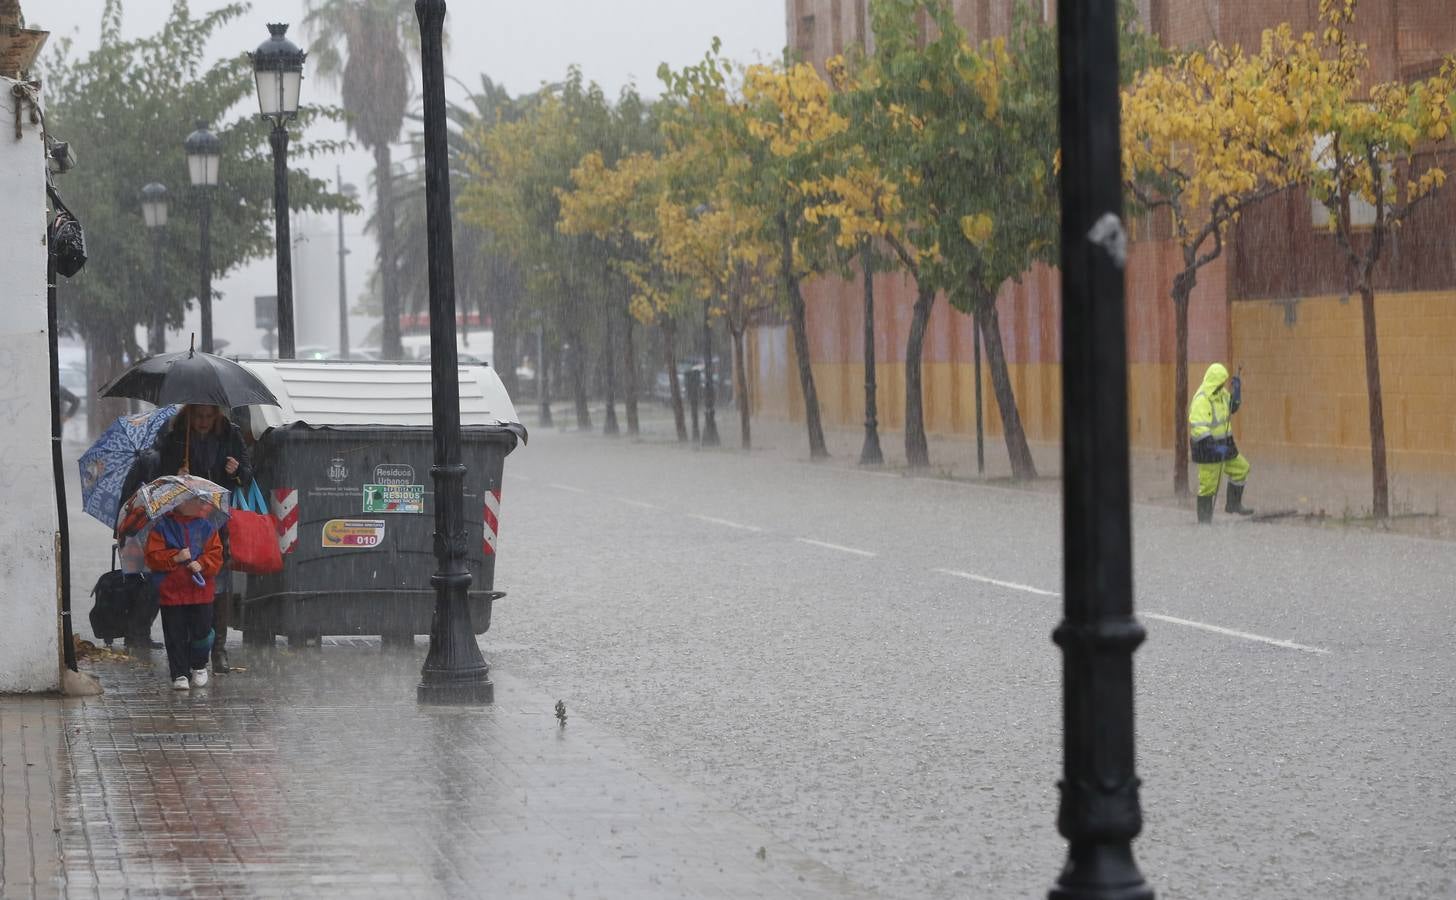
520 43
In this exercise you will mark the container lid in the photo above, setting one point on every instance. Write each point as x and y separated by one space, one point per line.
326 392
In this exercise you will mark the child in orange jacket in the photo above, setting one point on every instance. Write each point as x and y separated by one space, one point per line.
185 553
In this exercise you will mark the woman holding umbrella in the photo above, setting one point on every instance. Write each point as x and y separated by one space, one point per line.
200 441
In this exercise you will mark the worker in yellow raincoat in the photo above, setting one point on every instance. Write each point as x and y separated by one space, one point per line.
1210 428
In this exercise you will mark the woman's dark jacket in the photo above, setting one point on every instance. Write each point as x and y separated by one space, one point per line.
208 457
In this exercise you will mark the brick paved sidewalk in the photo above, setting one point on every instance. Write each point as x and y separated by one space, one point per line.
315 773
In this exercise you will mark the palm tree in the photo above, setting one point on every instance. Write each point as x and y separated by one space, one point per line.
369 48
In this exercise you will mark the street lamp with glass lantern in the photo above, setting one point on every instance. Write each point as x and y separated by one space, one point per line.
278 71
154 213
204 153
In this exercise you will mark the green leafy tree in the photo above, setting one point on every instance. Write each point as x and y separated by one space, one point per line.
368 47
518 171
772 131
126 107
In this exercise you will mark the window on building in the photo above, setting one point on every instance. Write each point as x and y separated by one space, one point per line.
805 43
1362 212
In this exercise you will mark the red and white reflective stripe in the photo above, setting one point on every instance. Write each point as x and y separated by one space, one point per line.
492 521
284 506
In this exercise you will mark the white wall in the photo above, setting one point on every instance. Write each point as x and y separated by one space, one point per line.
29 652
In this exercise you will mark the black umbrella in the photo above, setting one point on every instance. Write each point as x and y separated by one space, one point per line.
191 377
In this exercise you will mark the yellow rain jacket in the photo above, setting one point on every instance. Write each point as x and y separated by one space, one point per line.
1210 414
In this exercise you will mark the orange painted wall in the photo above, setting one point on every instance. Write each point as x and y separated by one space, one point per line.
1305 380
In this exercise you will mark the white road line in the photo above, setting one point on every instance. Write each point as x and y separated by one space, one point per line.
639 503
724 522
1171 620
1287 645
515 477
1006 584
840 547
567 487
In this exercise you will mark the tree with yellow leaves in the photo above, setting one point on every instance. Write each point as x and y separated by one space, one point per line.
1204 138
964 138
771 122
718 250
617 206
1378 150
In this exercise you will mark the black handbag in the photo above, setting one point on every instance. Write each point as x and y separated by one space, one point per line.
67 238
121 600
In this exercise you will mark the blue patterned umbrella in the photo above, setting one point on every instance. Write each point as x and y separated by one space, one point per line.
105 465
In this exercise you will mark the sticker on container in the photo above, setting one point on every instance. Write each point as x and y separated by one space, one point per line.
353 533
394 498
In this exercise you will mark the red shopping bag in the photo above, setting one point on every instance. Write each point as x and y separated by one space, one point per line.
253 535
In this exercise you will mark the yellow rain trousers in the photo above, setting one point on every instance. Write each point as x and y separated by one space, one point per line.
1210 415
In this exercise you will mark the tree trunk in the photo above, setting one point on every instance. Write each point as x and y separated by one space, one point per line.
1380 477
740 386
543 380
108 357
631 390
870 454
504 351
917 450
1181 295
798 322
609 364
1023 468
669 343
578 382
710 386
390 347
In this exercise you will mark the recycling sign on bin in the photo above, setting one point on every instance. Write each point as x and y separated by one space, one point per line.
394 498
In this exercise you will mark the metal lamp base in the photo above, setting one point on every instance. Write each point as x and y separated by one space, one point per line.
474 690
1101 872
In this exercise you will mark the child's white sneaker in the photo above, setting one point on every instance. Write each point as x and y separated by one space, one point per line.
199 677
180 683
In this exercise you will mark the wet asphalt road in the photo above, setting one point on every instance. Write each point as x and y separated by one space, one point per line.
862 664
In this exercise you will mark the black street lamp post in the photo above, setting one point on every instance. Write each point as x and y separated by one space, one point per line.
870 454
278 70
154 213
980 420
204 151
1100 812
454 670
347 190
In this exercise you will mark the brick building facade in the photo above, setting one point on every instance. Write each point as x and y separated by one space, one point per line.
1274 303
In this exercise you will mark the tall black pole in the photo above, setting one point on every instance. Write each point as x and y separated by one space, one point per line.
980 418
1100 812
870 454
157 328
204 296
454 670
710 421
284 240
343 284
58 468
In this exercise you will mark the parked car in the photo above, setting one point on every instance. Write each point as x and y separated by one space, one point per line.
722 379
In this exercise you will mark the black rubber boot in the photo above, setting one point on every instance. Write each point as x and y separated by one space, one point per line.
1205 510
1235 501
